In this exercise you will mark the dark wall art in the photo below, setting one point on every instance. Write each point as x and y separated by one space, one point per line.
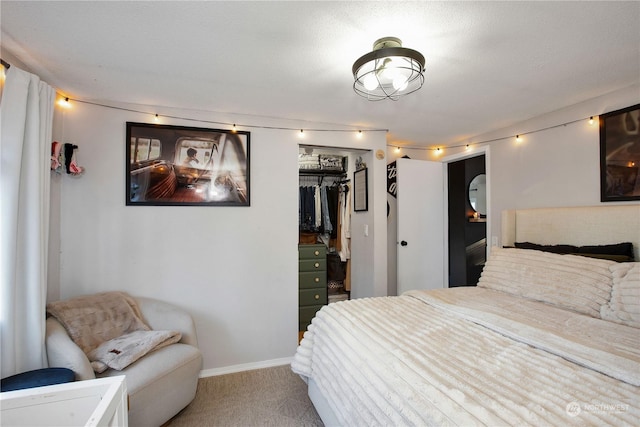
360 190
620 155
186 166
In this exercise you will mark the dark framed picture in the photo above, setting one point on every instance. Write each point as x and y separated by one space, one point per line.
360 190
620 155
186 166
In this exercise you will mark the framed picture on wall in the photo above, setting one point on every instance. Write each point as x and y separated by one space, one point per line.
360 190
620 155
186 166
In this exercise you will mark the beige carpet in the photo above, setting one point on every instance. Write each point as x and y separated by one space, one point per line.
263 397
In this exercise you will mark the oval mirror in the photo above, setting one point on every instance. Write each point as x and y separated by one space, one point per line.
478 194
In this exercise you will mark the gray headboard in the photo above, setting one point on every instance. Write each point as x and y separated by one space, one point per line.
587 225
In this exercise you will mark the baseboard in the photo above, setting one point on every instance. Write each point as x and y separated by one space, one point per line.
245 367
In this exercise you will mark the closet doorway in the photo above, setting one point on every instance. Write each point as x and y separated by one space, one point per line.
325 210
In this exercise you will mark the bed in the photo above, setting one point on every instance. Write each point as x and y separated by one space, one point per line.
546 338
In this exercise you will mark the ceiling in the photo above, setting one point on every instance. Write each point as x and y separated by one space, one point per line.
488 64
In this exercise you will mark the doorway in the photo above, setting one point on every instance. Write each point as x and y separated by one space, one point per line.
467 220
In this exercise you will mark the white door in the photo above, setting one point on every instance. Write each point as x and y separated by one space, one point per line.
421 228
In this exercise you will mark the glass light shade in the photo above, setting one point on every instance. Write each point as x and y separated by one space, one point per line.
370 81
400 83
396 71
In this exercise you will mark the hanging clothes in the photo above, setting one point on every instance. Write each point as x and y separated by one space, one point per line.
318 209
318 206
307 208
327 225
332 204
345 223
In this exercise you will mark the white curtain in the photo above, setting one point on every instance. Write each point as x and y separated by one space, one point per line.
26 118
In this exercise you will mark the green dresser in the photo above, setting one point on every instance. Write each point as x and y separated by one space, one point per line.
312 282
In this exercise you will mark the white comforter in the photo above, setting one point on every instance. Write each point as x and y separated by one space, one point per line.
470 356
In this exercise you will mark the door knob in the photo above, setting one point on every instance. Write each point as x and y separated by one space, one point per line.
403 243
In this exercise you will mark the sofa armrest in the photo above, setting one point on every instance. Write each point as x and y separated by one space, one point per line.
161 315
62 352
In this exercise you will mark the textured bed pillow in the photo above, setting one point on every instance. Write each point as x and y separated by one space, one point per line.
619 252
566 281
556 249
621 249
624 306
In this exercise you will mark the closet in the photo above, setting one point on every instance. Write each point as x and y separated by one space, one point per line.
324 215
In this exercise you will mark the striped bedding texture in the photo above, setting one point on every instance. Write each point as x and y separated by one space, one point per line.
471 356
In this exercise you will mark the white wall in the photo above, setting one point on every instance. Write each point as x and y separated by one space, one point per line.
233 268
554 167
550 168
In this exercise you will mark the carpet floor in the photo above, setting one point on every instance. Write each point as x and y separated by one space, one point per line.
262 397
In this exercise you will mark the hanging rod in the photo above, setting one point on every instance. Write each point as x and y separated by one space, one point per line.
5 64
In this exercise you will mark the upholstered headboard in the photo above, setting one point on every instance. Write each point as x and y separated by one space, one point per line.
589 225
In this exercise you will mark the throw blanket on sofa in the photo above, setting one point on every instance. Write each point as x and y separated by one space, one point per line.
109 329
120 352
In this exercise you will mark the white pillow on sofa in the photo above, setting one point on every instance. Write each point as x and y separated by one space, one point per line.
567 281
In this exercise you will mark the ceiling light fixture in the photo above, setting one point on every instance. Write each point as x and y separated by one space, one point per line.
389 71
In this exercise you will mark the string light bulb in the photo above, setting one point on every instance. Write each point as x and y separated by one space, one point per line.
301 134
359 134
64 102
518 139
234 129
591 120
156 118
397 149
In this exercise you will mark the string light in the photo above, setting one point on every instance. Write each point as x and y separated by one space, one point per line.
502 138
157 119
64 102
233 125
234 129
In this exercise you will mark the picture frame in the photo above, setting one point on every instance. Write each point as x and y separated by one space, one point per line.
186 166
620 155
360 190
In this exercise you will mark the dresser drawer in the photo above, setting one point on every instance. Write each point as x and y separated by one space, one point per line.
312 252
313 279
313 296
308 313
313 264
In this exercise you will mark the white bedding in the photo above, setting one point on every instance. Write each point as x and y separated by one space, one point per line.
465 357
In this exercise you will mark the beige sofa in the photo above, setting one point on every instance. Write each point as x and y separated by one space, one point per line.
161 383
